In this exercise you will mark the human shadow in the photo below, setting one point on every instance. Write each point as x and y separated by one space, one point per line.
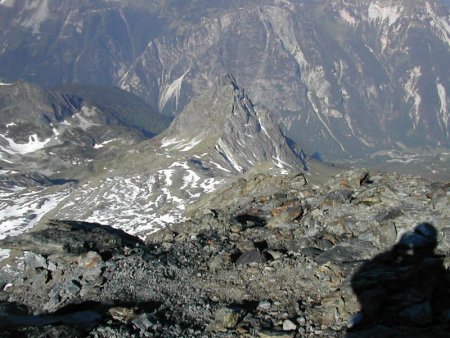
404 287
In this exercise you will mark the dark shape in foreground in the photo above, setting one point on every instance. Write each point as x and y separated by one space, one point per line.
405 286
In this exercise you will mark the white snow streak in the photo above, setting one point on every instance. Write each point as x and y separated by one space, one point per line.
412 92
222 148
101 145
168 142
24 148
181 145
281 164
347 17
261 125
220 167
316 110
443 111
168 92
382 13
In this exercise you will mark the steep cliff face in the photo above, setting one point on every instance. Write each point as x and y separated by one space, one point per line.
86 41
146 186
239 134
342 78
53 130
219 135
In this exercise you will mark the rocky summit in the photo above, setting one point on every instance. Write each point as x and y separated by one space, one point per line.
365 255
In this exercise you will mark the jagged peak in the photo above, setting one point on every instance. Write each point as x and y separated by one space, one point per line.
241 134
226 80
208 113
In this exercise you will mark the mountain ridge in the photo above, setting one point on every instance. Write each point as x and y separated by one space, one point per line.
146 186
55 129
382 87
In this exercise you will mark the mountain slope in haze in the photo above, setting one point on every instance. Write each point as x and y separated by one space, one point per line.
343 78
123 106
51 131
148 185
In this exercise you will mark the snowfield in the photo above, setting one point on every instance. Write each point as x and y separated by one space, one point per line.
139 204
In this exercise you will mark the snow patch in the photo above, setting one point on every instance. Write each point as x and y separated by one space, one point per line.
24 148
180 165
181 145
412 93
101 145
209 185
222 148
140 204
347 17
168 173
173 199
316 110
21 211
220 167
170 91
378 12
190 179
444 115
5 84
40 15
4 253
7 3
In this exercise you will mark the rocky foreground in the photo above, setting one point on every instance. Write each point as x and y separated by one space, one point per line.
264 257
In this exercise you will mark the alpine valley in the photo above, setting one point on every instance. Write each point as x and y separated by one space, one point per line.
191 168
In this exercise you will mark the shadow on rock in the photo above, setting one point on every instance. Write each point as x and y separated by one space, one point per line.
406 287
75 237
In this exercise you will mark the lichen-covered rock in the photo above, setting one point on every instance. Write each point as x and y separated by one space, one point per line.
225 318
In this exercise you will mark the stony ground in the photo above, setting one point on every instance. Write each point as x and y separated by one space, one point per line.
265 257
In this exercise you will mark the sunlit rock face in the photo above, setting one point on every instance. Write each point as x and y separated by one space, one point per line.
140 187
342 78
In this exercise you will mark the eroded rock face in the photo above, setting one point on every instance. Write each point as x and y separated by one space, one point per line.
264 257
344 78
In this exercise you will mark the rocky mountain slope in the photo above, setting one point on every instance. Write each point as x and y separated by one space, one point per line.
267 256
344 79
146 186
52 131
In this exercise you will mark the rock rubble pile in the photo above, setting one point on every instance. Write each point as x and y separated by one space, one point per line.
268 256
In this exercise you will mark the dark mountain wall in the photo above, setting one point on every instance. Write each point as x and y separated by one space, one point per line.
342 78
